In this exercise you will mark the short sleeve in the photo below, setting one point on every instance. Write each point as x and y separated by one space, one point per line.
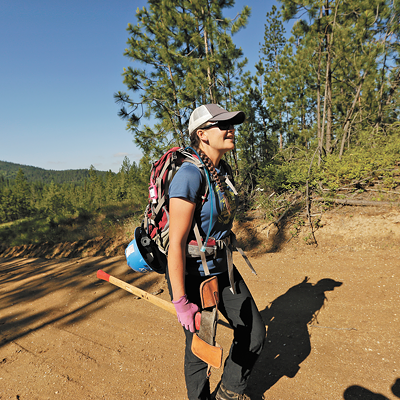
186 183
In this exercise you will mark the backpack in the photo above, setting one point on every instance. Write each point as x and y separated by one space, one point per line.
152 237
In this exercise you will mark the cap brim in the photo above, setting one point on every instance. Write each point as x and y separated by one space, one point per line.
236 117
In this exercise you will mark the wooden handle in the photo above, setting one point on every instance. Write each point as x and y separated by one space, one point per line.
165 305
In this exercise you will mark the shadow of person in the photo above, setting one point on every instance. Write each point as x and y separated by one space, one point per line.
396 388
288 341
356 392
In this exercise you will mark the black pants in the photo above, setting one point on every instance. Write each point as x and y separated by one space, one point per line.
249 334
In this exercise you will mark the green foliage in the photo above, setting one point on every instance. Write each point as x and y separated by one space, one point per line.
15 200
9 171
103 204
287 171
333 85
337 75
83 225
183 56
362 163
322 111
20 198
291 168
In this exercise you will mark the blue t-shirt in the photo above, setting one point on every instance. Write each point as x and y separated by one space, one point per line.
190 184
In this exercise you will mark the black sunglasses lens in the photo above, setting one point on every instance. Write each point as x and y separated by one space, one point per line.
224 126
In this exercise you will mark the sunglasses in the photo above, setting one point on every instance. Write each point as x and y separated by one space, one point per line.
222 125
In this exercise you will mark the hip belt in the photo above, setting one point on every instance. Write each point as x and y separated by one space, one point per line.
196 249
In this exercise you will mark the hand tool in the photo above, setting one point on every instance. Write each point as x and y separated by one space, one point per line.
165 305
203 344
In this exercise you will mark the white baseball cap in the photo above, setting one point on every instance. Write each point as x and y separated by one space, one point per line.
213 113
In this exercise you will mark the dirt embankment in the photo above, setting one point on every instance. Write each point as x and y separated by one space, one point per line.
354 227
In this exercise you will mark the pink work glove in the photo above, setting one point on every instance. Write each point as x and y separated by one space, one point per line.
186 312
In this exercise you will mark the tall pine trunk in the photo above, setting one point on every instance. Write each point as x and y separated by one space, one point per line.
328 84
207 51
319 131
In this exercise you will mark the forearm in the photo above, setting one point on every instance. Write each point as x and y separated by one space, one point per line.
185 310
181 213
176 270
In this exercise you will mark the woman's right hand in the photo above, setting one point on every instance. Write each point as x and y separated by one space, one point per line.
186 312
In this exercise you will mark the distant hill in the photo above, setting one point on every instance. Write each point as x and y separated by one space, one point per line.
9 170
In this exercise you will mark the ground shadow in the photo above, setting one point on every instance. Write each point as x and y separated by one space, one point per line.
288 341
285 229
27 280
356 392
280 231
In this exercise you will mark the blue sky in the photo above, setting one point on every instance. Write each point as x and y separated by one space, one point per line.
61 62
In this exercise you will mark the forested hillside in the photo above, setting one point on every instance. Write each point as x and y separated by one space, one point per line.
9 171
53 201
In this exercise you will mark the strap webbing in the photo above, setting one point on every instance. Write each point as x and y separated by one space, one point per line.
200 244
230 266
235 243
230 184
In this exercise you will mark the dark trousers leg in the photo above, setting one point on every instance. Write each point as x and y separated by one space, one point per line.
197 382
249 334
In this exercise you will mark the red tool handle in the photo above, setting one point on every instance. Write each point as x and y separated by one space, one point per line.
197 321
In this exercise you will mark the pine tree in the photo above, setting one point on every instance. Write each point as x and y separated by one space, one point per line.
8 211
350 47
109 188
95 192
53 200
263 132
271 51
186 51
21 196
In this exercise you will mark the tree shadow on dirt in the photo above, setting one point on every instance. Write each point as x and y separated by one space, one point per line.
287 343
360 393
25 281
252 234
286 228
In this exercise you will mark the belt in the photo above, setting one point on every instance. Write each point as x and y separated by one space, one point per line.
213 245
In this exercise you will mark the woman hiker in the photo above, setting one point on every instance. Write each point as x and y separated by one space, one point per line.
212 134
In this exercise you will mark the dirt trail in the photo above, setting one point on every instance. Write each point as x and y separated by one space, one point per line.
332 317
